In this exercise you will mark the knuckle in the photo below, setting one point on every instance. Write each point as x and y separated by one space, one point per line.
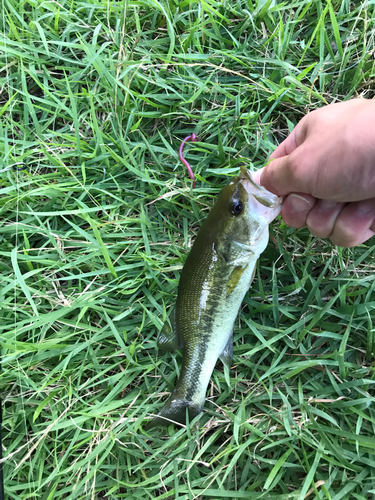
299 164
294 163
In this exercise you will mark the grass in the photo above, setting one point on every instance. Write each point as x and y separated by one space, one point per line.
95 99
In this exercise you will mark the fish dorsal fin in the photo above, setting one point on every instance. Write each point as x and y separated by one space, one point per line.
169 339
227 355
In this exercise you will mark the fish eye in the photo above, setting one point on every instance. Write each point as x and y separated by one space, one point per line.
236 208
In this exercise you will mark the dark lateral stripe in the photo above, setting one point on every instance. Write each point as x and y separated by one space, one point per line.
200 366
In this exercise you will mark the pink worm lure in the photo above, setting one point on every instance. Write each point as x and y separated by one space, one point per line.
193 138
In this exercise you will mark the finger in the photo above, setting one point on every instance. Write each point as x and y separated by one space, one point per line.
285 148
322 218
257 175
296 208
273 176
355 224
288 174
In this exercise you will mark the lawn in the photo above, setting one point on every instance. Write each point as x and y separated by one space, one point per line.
96 97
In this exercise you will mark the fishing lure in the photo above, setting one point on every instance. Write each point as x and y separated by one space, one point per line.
193 138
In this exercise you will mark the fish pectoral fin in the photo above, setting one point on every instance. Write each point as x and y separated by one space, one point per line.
227 355
235 278
168 339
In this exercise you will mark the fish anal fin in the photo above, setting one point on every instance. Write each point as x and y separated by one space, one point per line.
227 355
168 339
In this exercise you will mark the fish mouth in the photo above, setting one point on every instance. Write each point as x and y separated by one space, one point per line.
260 193
243 246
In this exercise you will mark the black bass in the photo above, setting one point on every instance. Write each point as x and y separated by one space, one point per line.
218 272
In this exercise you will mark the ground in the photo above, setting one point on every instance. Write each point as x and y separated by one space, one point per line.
95 98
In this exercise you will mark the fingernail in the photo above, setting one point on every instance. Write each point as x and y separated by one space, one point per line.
299 203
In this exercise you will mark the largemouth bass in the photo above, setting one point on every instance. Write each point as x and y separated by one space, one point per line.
218 272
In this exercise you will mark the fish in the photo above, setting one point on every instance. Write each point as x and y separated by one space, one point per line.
214 280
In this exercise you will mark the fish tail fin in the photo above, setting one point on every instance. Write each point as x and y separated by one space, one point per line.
174 410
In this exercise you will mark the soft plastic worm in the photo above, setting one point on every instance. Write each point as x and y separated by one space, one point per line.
192 138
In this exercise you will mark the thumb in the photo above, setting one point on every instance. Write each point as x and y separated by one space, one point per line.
279 177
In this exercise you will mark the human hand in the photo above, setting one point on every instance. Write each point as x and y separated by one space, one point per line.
326 170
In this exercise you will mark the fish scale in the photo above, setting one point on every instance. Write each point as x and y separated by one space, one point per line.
215 278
